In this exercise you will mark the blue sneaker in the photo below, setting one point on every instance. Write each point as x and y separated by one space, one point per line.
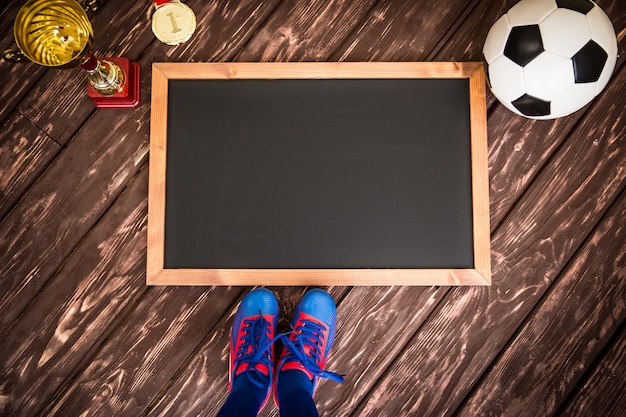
307 346
252 344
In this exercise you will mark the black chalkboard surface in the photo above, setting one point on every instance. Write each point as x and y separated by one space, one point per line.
306 179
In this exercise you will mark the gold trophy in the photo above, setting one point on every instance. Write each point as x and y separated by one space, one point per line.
58 34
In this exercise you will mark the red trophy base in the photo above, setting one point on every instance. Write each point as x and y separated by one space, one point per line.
129 96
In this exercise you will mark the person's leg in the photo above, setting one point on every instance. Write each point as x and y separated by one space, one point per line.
240 404
306 352
251 354
294 393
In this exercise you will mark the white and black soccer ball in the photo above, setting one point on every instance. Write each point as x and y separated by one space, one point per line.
548 58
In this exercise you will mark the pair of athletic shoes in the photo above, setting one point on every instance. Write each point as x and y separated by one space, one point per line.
306 346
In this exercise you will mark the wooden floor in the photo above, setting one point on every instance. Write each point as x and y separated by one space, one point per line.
81 334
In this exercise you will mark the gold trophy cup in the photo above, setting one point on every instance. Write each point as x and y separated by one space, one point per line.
58 34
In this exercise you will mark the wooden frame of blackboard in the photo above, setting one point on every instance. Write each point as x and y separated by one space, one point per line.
157 274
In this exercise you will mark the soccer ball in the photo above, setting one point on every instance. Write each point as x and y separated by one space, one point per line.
548 58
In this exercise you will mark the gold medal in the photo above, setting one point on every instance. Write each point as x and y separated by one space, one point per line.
173 22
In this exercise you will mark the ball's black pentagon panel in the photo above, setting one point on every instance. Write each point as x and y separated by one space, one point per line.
589 63
532 106
523 44
582 6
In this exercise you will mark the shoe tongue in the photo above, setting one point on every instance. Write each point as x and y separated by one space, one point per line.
261 368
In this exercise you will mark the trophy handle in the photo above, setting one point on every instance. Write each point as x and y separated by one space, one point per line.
91 7
14 55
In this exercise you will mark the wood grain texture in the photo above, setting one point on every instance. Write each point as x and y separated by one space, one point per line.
43 229
400 31
541 220
300 30
98 281
515 159
480 174
158 169
318 277
223 28
160 333
571 325
464 41
389 316
530 249
25 151
466 36
202 388
473 71
601 393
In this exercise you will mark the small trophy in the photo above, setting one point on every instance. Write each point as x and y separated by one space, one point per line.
58 34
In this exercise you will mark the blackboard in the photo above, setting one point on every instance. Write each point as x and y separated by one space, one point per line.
318 173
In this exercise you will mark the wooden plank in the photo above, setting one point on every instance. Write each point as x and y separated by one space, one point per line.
224 28
401 31
522 177
466 36
464 41
530 249
601 392
317 70
201 388
65 202
101 279
516 156
25 151
302 30
84 180
146 351
568 329
374 325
